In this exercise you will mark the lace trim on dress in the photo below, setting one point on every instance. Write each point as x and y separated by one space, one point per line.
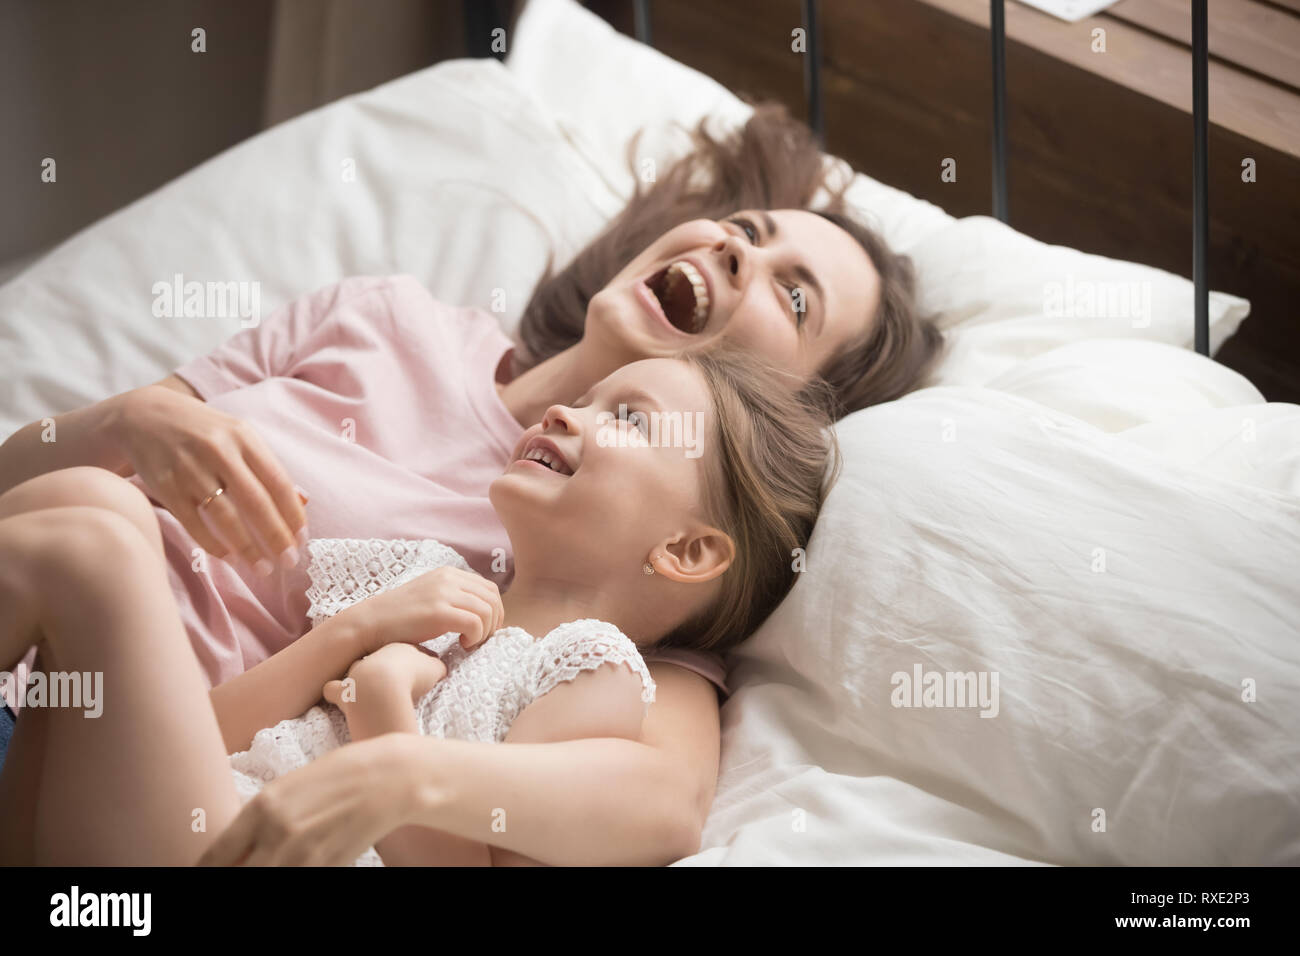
584 645
344 571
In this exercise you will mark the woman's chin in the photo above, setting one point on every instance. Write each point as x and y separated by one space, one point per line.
627 334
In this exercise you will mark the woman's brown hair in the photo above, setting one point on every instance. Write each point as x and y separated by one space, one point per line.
771 457
772 162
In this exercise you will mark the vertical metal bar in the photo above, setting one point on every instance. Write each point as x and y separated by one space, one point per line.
1200 174
481 17
812 71
641 21
998 31
474 45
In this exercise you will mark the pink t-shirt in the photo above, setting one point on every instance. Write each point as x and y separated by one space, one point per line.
380 403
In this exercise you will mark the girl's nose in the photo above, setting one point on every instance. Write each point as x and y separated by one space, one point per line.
557 416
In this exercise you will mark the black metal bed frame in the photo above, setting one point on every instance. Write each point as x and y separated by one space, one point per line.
997 21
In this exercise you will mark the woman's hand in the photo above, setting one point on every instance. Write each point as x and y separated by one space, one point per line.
328 812
184 450
438 601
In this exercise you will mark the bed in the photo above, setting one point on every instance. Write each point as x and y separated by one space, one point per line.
1079 507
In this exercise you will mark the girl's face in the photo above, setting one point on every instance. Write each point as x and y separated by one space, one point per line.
617 479
744 279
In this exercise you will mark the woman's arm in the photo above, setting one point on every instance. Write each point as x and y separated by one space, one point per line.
86 436
182 450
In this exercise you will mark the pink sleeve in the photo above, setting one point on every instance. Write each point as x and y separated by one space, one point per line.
708 665
276 344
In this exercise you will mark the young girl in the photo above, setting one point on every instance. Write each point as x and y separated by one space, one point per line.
626 538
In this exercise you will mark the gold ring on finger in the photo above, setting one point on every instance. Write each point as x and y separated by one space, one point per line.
212 497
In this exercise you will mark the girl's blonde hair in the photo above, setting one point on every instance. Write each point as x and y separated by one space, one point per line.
772 457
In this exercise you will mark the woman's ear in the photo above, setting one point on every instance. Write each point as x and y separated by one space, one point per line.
694 557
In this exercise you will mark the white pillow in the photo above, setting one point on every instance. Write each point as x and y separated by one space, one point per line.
1004 297
1118 384
460 179
991 283
1123 603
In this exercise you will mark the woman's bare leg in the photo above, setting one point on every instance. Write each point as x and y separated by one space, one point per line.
19 784
124 787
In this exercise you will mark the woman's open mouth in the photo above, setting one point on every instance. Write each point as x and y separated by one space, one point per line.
682 295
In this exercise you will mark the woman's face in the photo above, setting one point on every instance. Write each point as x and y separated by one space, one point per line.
788 285
597 486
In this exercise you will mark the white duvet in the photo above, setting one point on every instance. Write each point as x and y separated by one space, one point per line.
1080 505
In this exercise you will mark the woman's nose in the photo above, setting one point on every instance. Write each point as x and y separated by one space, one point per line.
732 257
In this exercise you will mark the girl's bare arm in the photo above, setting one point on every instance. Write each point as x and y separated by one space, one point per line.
594 801
600 704
383 702
288 682
605 801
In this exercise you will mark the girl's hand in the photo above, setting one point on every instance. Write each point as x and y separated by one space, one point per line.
406 671
438 601
328 812
184 450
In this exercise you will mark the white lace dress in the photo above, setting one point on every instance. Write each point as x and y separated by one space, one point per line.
485 689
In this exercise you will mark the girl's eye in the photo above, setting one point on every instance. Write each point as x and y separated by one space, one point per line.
640 419
747 226
795 302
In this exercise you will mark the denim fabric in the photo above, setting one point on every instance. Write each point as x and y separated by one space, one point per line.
6 731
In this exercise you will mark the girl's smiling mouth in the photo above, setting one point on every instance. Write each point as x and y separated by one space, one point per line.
542 452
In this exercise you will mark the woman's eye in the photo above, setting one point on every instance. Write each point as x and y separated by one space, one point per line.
750 232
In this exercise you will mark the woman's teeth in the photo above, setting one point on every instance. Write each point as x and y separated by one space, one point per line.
684 296
698 286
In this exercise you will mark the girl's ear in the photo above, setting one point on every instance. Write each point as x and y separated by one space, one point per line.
693 557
